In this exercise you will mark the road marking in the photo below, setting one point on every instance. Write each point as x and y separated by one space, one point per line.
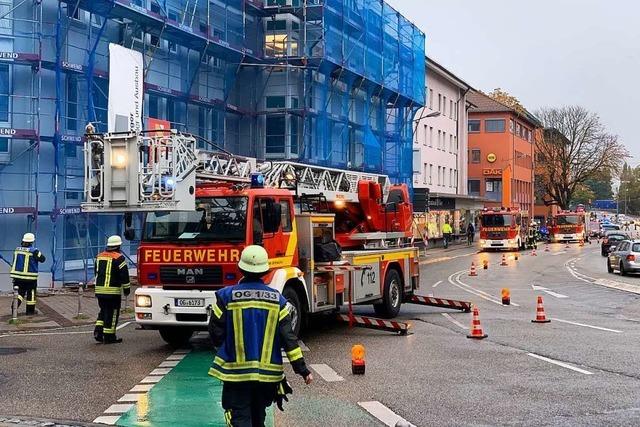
118 408
555 294
141 388
160 371
587 326
124 325
130 397
108 420
452 320
559 253
176 357
169 364
557 362
326 372
474 291
384 414
40 334
436 284
151 379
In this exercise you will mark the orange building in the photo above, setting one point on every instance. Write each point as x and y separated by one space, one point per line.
501 153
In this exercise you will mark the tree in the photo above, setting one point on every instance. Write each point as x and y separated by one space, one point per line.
507 99
582 195
629 191
601 186
574 148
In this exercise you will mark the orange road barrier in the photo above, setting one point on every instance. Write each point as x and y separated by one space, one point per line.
473 271
476 330
504 260
506 296
357 359
541 317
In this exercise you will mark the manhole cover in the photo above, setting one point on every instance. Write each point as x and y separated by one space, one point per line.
4 351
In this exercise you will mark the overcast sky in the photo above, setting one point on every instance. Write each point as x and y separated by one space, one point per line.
545 52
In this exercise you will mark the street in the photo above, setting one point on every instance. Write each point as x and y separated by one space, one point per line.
579 369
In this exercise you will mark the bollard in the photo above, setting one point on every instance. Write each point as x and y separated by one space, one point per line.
80 293
14 305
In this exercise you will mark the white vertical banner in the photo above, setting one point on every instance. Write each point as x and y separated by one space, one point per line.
126 89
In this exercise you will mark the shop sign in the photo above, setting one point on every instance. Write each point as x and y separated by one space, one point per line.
491 171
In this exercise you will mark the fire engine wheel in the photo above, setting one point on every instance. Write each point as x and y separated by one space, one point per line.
391 297
176 337
295 309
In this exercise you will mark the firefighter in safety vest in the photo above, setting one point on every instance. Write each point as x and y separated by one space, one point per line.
249 325
532 237
112 279
24 271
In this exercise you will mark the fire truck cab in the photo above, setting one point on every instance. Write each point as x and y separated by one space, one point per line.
502 228
569 226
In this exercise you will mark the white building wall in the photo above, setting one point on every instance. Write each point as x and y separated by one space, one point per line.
440 143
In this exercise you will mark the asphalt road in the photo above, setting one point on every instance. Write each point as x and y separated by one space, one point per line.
580 369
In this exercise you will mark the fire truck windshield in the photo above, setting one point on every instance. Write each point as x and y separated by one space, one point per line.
215 219
567 220
496 220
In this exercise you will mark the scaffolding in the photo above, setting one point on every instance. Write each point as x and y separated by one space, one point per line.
325 82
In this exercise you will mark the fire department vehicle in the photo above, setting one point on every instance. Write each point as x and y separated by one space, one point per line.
569 226
502 228
334 237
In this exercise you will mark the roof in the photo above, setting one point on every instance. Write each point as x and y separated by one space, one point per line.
435 67
485 104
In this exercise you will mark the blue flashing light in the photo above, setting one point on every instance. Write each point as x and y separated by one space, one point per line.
257 180
152 276
230 276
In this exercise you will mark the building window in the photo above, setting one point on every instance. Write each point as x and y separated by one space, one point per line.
430 136
4 93
439 139
518 129
450 177
455 144
493 189
431 99
426 135
474 126
444 105
440 103
451 109
275 130
451 143
4 145
439 174
424 177
70 150
430 174
276 102
475 156
473 186
494 125
511 126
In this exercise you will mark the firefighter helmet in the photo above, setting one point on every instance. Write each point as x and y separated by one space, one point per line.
254 259
29 238
114 241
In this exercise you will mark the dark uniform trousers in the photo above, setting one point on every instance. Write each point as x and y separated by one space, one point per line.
245 403
27 293
107 317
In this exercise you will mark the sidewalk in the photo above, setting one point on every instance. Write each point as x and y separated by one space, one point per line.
58 308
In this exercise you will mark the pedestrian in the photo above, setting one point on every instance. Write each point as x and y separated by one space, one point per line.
24 271
112 279
446 234
248 361
471 231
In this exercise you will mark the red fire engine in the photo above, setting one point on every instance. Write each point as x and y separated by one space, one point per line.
502 228
334 237
569 226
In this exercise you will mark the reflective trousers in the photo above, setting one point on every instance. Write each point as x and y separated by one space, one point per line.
108 315
245 403
27 293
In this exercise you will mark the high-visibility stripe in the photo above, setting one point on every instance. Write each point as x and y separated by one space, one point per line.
26 276
25 266
294 354
269 334
264 305
250 364
106 290
124 264
126 286
227 418
107 277
216 311
245 377
283 313
238 334
112 329
99 322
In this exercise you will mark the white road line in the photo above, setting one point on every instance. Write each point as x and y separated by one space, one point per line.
326 372
108 420
130 397
40 334
452 320
182 351
152 379
169 364
118 408
618 285
557 362
176 357
124 325
142 388
559 253
472 290
555 294
160 371
436 284
587 326
382 413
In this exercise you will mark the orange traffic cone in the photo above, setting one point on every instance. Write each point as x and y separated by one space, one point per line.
541 317
581 243
476 329
504 260
473 271
533 252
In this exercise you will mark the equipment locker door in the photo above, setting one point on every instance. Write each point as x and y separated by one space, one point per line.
366 282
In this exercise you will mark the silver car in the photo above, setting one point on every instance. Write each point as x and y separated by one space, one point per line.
624 257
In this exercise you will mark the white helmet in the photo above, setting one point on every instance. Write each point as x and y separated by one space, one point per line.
29 238
114 241
254 259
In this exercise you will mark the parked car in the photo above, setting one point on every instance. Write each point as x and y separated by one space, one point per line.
611 238
607 226
625 257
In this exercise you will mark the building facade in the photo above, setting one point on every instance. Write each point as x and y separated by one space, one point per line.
440 152
326 82
501 153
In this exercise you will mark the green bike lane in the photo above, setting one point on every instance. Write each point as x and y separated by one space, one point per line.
186 396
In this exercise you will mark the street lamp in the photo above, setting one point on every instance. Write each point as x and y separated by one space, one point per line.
434 114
